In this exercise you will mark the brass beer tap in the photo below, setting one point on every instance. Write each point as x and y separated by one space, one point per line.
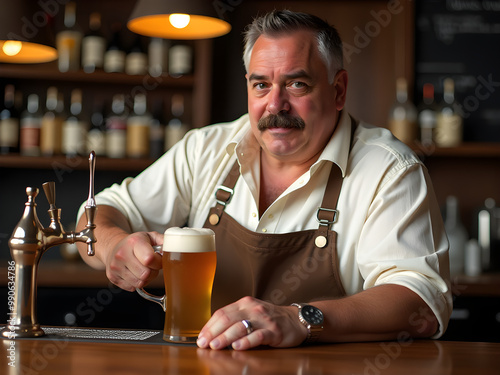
29 241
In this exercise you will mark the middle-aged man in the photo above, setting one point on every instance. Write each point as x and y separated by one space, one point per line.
335 216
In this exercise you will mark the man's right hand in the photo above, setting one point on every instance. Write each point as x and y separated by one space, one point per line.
129 258
132 263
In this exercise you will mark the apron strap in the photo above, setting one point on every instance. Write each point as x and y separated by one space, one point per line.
224 193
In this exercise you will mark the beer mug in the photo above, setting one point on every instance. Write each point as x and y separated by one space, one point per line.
189 261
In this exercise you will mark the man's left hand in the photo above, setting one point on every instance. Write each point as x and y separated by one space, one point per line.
272 325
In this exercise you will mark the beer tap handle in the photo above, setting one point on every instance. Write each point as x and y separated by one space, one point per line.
91 206
50 192
91 198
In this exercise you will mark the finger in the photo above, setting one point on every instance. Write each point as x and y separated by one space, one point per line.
147 257
230 335
219 322
254 339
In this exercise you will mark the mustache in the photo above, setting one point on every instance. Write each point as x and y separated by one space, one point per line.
285 121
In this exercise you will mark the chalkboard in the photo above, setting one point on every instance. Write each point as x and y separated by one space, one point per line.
461 39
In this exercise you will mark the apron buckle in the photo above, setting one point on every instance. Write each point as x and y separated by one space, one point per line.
223 195
326 216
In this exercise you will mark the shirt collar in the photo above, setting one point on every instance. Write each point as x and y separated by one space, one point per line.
336 150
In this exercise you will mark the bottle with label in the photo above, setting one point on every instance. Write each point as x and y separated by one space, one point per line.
138 129
51 128
449 124
69 41
116 128
74 135
157 132
457 236
180 60
9 123
96 137
93 45
157 56
114 57
403 115
136 62
427 116
31 121
176 127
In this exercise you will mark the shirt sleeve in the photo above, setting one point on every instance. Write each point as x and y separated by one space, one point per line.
403 241
159 197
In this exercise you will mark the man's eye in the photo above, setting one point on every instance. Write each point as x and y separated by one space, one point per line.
298 85
260 86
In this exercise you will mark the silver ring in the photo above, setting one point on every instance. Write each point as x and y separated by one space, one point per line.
248 326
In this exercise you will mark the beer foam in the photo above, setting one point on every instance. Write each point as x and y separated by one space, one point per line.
188 240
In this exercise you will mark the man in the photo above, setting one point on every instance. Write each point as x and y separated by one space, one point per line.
323 211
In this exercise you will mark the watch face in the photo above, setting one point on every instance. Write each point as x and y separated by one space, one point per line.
312 315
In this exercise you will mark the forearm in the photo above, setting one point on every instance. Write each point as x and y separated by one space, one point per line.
384 312
111 227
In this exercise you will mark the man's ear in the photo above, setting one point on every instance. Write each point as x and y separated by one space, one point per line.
340 84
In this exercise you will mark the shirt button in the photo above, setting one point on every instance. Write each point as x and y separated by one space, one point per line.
271 216
301 181
254 214
264 230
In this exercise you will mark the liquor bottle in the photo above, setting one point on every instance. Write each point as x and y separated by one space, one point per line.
427 116
31 121
96 137
176 128
138 129
51 128
157 132
180 60
403 115
157 56
9 123
457 236
93 45
114 57
136 62
116 128
449 124
68 41
74 133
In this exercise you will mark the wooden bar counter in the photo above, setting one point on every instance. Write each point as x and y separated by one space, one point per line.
62 357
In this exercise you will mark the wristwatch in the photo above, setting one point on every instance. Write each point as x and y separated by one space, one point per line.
312 318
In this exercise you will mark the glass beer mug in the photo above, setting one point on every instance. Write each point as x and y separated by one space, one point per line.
189 261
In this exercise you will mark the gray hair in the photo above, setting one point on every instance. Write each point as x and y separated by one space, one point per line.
279 22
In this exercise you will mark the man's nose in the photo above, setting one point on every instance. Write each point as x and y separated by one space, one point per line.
278 101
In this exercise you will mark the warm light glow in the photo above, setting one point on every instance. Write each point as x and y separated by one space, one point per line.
179 20
12 47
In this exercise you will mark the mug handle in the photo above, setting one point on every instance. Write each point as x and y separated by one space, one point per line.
151 297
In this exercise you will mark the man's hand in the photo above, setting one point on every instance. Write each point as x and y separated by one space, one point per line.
276 326
129 258
132 263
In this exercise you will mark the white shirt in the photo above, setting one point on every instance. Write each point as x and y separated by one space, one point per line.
389 226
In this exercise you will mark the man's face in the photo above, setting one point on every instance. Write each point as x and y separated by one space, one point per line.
288 78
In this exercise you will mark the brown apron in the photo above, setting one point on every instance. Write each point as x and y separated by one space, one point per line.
278 268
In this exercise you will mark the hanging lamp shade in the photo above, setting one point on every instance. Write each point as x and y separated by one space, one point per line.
177 19
24 36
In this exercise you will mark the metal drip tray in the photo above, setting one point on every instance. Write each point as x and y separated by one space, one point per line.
98 334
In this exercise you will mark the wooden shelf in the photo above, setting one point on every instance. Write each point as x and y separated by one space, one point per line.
49 72
66 274
76 163
486 285
466 150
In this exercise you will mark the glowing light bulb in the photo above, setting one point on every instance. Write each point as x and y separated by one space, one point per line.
12 47
178 20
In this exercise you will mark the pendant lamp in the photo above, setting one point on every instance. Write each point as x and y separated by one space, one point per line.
177 19
24 36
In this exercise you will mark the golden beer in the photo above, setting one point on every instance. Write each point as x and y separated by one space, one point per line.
188 287
189 261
